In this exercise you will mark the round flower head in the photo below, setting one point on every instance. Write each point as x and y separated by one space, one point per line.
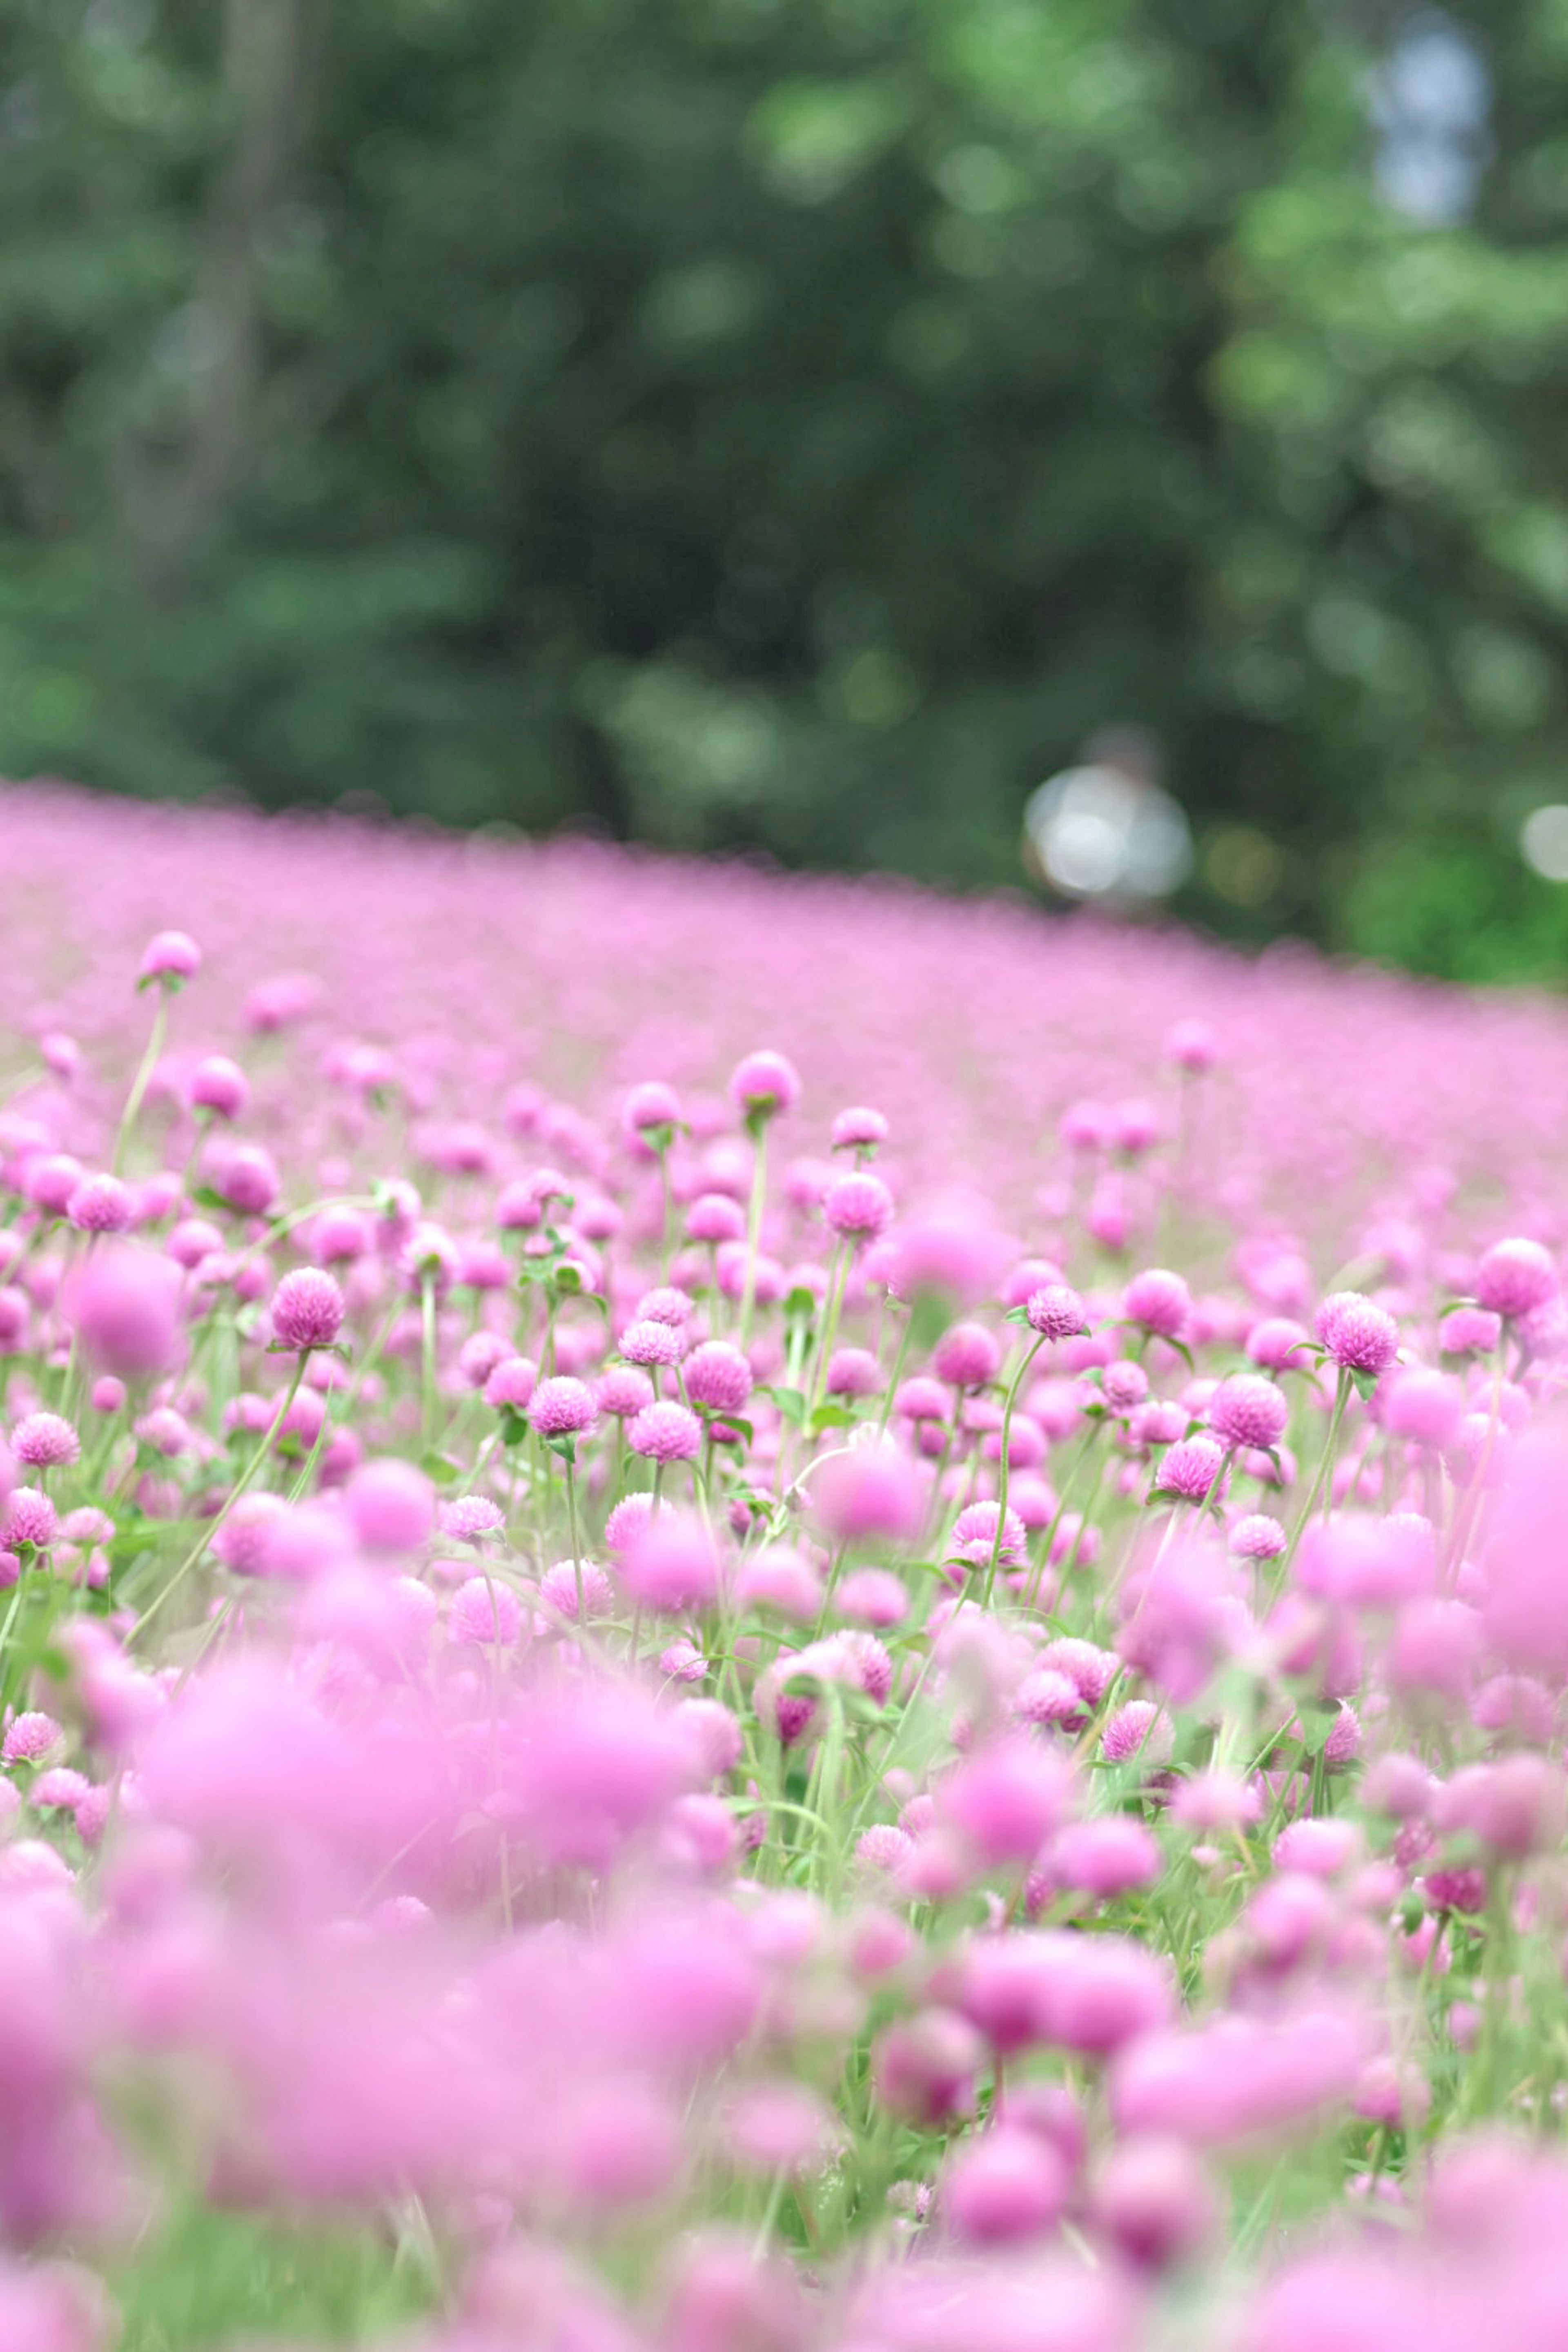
1514 1277
1257 1537
713 1217
858 1129
974 1533
1056 1312
1190 1468
666 1433
626 1522
1359 1336
1469 1331
307 1309
484 1614
653 1343
102 1205
717 1375
511 1384
469 1518
562 1407
651 1105
1249 1410
30 1518
853 1372
966 1356
665 1303
1124 1385
859 1207
1278 1345
623 1392
220 1086
922 1399
558 1586
170 956
1192 1046
32 1739
479 1355
391 1506
1138 1729
764 1084
1160 1301
44 1441
247 1180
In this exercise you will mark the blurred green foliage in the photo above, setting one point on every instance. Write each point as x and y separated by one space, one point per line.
795 424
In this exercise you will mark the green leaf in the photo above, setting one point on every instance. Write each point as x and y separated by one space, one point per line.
1364 1384
830 1416
566 1446
799 1303
790 1403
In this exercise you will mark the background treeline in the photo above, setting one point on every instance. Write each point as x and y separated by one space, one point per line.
796 423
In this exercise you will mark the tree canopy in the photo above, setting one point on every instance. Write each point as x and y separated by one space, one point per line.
797 424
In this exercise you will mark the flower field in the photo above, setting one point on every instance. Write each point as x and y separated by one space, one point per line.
760 1615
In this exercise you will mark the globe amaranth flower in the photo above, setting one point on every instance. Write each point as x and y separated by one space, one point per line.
45 1441
858 1129
307 1309
1190 1468
966 1356
651 1105
562 1407
857 1207
170 956
470 1517
1160 1301
717 1375
623 1392
1257 1537
713 1217
1247 1409
32 1739
666 1433
1359 1336
484 1614
1515 1277
974 1533
649 1342
764 1083
102 1205
30 1518
218 1086
1056 1312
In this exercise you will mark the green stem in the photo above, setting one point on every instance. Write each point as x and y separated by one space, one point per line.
139 1083
1002 1470
209 1530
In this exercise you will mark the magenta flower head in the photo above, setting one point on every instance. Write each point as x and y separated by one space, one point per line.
669 1563
469 1518
306 1310
717 1375
623 1392
858 1207
1278 1345
1257 1537
1514 1277
220 1086
562 1407
1190 1468
650 1106
484 1614
102 1205
1358 1335
1003 2188
1056 1312
390 1506
30 1518
713 1217
1160 1301
169 959
1005 1800
1192 1046
763 1085
858 1129
1249 1410
511 1386
666 1433
124 1303
649 1342
966 1356
32 1739
45 1441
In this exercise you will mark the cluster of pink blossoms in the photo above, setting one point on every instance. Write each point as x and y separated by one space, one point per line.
757 1616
